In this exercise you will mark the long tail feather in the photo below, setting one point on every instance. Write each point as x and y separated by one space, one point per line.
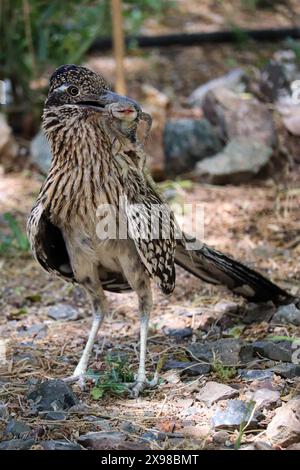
214 267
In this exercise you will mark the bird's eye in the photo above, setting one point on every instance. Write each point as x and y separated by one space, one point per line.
73 90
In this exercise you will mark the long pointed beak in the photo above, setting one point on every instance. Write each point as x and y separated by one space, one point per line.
109 97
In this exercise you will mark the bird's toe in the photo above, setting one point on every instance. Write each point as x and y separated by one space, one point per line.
80 380
137 387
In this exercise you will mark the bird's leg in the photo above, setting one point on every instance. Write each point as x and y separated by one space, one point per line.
135 274
99 310
83 363
144 324
141 381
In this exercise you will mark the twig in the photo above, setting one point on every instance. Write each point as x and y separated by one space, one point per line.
118 40
28 32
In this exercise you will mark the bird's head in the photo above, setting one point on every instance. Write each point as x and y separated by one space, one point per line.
78 92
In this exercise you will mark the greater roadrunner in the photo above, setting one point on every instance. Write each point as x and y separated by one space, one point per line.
95 165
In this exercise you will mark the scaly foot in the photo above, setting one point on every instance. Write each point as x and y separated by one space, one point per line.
79 376
141 384
80 379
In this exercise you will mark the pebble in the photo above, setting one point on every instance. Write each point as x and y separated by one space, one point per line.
52 395
213 392
289 314
63 312
235 413
284 428
188 368
256 374
17 428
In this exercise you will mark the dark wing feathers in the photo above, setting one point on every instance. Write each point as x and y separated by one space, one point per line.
50 251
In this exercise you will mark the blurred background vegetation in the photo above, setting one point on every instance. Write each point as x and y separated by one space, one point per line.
37 35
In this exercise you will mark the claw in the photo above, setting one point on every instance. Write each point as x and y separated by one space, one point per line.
80 379
140 385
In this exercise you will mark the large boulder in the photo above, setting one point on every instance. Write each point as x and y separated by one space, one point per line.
155 103
239 115
241 159
232 80
291 117
187 141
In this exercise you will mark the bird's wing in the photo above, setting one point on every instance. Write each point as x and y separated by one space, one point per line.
47 243
49 248
151 226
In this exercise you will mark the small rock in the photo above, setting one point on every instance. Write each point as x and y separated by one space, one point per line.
231 80
129 427
186 142
265 398
284 428
247 447
153 436
178 333
286 370
62 312
17 444
241 159
189 368
235 413
101 424
103 440
17 428
287 314
90 438
60 445
52 395
256 313
273 81
56 416
198 431
40 152
39 331
277 351
226 307
256 374
3 411
225 350
27 356
220 437
260 445
213 392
